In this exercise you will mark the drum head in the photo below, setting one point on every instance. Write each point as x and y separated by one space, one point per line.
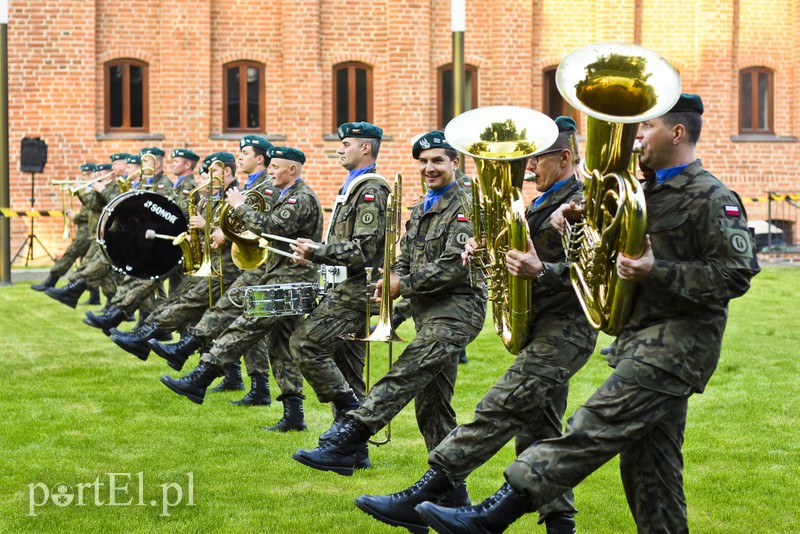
124 224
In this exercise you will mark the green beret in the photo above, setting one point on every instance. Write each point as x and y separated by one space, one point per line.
360 129
152 150
185 153
688 102
285 152
255 141
433 139
134 159
90 167
104 167
565 124
224 157
118 156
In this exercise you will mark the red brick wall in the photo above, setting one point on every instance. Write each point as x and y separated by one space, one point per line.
57 50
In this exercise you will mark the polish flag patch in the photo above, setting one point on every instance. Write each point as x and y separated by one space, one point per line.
185 192
267 192
462 218
368 197
732 211
160 187
291 201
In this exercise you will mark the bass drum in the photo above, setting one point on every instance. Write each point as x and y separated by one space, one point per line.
122 230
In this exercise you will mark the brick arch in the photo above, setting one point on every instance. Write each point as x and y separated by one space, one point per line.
124 53
546 62
746 61
437 60
243 55
370 60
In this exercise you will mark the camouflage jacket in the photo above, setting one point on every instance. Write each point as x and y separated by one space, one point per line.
704 256
296 214
160 184
432 275
555 308
180 193
355 240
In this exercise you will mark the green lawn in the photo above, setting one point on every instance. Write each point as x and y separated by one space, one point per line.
75 408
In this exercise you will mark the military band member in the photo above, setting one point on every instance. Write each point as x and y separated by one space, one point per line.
159 182
698 256
335 367
83 237
448 314
217 318
182 166
528 402
296 213
184 309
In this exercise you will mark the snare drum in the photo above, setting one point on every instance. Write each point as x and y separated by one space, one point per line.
279 300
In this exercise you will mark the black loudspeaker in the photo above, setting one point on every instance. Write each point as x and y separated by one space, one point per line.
33 155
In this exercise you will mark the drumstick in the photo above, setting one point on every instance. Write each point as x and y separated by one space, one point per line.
274 237
281 252
151 234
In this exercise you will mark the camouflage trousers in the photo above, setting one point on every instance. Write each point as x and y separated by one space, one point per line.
639 412
264 341
76 250
426 372
96 272
527 403
217 318
185 305
135 293
332 365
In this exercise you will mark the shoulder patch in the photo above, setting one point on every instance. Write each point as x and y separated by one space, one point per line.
369 197
462 238
291 201
267 192
462 218
285 214
732 210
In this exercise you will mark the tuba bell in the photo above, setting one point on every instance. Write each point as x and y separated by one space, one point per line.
617 86
501 139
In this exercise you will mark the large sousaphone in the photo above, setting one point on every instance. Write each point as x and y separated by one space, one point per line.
501 139
617 86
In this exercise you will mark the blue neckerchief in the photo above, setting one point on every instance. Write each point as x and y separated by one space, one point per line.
666 174
553 188
150 181
134 185
433 195
180 179
355 174
251 178
285 189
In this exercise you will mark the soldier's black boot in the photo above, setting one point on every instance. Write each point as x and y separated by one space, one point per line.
49 282
135 341
231 380
341 406
258 394
560 524
176 354
397 320
94 297
398 510
494 514
338 454
193 386
110 319
69 294
293 418
462 358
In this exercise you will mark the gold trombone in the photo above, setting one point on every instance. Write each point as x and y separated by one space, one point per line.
384 332
74 187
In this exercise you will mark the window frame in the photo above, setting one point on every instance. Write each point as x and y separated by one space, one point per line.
440 89
126 63
351 66
243 65
753 72
565 106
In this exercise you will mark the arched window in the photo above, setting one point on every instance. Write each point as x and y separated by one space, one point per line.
243 97
755 101
554 103
126 96
446 100
352 93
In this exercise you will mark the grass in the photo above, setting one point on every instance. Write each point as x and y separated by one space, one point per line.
74 408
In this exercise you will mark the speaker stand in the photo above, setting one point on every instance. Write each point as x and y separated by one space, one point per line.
29 241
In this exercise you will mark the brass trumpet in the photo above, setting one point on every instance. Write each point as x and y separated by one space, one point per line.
73 190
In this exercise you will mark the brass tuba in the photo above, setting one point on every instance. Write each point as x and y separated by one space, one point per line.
617 86
500 139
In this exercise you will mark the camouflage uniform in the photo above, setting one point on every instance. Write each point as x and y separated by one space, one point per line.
529 400
295 214
332 365
667 351
84 236
180 195
448 314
